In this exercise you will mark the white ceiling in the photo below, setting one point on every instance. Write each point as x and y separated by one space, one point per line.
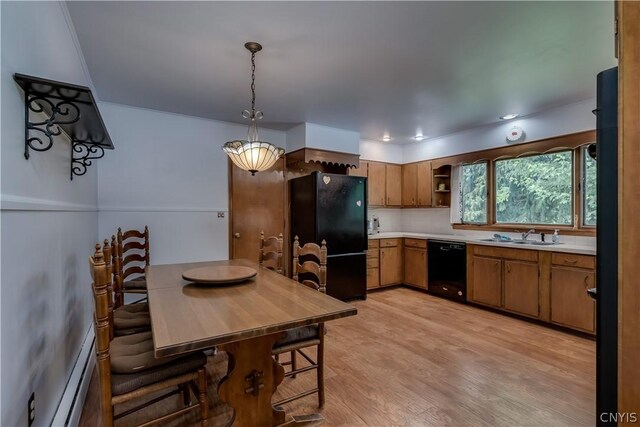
372 67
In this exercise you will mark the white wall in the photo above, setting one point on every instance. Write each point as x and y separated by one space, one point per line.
168 171
48 224
380 151
311 135
558 121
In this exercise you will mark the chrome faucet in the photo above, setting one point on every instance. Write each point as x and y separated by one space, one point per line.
525 235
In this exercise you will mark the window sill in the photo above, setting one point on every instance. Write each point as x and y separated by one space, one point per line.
547 229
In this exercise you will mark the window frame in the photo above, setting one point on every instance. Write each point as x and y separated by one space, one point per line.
572 203
581 207
575 142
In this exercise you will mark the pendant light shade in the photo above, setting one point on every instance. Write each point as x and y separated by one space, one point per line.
252 154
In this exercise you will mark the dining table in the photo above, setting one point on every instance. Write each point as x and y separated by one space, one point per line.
244 319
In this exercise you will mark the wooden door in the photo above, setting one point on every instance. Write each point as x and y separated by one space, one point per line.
257 204
394 185
521 287
409 182
361 171
570 304
376 183
415 267
390 265
487 281
423 180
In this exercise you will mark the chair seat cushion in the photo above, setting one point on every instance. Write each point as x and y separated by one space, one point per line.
136 284
131 316
124 383
133 353
302 333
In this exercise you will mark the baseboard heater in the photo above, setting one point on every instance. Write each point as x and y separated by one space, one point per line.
72 401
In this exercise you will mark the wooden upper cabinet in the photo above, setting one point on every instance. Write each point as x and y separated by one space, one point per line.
487 281
394 185
361 171
409 184
570 304
423 184
521 287
376 183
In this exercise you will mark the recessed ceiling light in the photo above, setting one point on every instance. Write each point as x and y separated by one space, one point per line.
509 116
418 137
386 138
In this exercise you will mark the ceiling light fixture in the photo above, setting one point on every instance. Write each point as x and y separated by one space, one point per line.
509 116
418 137
386 138
252 154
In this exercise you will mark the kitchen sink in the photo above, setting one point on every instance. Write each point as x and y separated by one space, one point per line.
521 242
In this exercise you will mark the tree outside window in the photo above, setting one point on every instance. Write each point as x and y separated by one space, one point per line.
474 193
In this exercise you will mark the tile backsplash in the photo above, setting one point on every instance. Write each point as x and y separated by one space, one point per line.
438 221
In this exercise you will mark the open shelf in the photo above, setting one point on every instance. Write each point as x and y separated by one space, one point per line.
442 187
53 108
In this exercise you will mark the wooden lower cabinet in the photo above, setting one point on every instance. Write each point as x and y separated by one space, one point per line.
415 267
570 304
373 264
391 266
487 281
521 287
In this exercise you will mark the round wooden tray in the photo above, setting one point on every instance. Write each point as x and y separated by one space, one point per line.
219 275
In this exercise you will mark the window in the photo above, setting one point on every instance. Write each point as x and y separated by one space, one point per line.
535 189
588 189
474 193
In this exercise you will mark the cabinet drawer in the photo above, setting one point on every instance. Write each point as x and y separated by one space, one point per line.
373 263
415 243
572 260
388 243
374 243
519 254
373 278
373 253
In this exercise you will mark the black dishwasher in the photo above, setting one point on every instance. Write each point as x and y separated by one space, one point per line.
448 269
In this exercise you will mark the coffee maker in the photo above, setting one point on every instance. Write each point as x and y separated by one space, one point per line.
373 225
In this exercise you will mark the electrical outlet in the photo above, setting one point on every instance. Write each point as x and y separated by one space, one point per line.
31 408
220 214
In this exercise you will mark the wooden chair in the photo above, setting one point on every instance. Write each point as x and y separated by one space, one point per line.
127 368
271 252
132 256
313 274
125 319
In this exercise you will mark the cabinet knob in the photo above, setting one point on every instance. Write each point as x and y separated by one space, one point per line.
236 235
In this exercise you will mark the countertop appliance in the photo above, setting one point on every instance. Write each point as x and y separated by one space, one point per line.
334 208
607 245
448 269
373 226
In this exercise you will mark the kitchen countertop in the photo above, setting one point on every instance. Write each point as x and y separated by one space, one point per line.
562 247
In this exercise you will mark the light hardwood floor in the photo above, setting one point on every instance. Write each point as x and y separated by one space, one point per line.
412 359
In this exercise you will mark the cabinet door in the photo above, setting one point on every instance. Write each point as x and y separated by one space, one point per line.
390 266
394 185
487 281
424 180
376 183
409 182
570 304
521 287
415 267
361 171
373 278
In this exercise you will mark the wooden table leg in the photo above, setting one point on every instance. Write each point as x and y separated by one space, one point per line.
252 378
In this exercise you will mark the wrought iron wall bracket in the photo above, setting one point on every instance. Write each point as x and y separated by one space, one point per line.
82 154
52 108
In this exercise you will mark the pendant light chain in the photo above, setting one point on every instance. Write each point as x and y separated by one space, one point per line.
253 84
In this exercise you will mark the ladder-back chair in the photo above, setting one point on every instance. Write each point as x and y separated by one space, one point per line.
270 255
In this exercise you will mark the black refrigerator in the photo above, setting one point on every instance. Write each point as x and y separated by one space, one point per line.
606 294
333 207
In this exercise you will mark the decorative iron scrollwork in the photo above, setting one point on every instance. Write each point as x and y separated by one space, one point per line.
59 111
82 153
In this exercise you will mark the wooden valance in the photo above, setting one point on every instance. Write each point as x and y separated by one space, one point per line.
556 143
308 155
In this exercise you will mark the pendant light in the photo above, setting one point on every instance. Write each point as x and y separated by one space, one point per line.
252 154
